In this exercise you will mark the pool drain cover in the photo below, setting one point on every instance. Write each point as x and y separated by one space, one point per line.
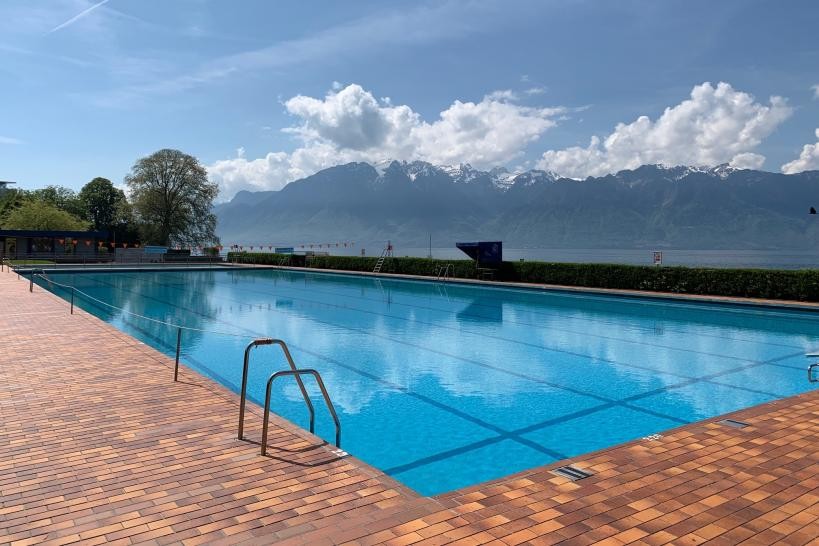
733 423
571 472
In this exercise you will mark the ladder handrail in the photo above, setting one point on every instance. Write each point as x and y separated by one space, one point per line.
810 373
243 398
297 373
444 271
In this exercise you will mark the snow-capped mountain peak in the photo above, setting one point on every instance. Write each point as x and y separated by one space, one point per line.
462 173
723 171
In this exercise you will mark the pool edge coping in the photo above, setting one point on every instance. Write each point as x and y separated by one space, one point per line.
578 460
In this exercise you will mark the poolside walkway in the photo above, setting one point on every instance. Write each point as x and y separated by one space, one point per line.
99 445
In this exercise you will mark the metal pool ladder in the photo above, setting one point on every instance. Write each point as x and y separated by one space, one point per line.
297 373
813 366
444 271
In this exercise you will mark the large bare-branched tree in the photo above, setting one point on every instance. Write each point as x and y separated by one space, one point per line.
172 199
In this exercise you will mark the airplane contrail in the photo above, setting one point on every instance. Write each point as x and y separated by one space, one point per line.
77 17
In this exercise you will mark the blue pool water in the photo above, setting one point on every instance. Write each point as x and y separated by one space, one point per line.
444 386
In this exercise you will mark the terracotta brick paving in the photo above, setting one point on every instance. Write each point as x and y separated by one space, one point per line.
98 445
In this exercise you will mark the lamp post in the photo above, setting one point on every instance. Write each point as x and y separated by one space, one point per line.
812 211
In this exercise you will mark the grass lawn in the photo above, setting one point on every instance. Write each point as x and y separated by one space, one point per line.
30 262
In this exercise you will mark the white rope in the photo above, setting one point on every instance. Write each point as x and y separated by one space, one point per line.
157 321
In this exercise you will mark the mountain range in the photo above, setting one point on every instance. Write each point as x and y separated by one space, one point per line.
653 206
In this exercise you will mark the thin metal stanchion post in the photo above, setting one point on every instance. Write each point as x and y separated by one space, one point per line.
31 280
178 347
72 300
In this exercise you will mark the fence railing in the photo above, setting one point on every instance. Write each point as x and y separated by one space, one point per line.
74 291
42 261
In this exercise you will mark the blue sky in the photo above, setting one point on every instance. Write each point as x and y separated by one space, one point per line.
264 92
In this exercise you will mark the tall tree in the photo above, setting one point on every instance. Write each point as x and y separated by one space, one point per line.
40 215
62 198
102 202
173 199
9 201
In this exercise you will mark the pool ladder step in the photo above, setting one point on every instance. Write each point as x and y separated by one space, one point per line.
293 371
379 264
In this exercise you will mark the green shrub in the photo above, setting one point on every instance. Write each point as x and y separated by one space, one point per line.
802 285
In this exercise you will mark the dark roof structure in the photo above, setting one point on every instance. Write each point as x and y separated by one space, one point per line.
53 233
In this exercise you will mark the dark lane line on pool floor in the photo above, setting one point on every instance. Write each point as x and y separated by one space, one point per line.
552 316
468 417
431 401
725 307
538 426
510 321
366 374
636 408
515 434
291 286
505 370
524 343
493 367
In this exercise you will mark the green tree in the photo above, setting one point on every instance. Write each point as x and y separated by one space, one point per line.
9 201
62 198
102 203
124 226
40 215
173 199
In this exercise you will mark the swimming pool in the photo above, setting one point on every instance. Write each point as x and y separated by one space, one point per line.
447 385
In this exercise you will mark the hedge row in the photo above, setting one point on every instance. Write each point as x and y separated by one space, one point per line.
801 285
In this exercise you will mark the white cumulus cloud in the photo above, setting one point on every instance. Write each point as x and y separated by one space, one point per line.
717 124
351 124
747 160
352 119
815 89
239 173
808 160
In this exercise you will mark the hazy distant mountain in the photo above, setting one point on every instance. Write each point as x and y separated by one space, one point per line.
652 206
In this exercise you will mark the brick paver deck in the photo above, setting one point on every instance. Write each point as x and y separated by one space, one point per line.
98 445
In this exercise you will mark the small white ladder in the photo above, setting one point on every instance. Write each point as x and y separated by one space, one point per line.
386 253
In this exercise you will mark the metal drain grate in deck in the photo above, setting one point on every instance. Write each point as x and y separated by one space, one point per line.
733 423
571 472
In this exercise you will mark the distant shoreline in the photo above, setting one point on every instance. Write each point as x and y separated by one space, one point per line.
726 258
